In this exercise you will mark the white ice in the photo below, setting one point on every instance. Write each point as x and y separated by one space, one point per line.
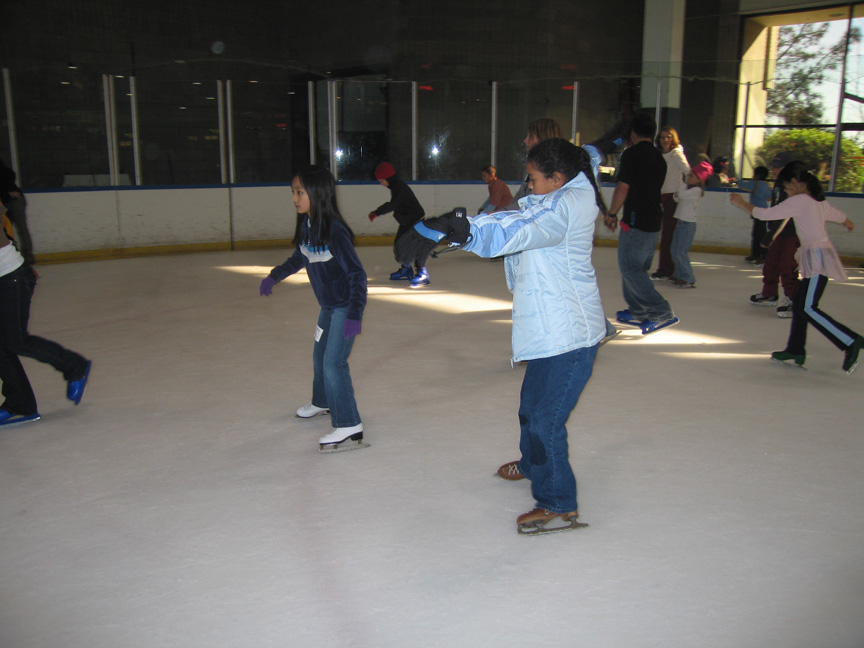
183 505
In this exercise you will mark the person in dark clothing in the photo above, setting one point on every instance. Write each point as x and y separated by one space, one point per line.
637 194
17 283
781 241
760 196
407 212
16 211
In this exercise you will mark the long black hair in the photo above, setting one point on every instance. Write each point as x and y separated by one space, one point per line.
320 186
797 170
559 155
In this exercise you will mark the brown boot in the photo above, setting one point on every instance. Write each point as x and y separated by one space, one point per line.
510 471
538 521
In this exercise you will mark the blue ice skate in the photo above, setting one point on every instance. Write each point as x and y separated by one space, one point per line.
8 418
650 326
625 317
421 279
405 273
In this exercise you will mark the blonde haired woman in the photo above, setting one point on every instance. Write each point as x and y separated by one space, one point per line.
676 171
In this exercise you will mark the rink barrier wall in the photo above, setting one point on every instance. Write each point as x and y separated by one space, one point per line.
117 222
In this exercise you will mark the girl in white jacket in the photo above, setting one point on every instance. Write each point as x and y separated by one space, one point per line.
687 196
558 319
676 170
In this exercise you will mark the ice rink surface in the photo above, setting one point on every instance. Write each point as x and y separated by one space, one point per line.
183 505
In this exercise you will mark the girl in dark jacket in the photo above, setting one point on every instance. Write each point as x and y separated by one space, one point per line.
325 249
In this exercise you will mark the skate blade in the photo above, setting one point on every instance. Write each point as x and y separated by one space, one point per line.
537 528
306 418
633 323
20 420
664 325
345 446
788 363
611 337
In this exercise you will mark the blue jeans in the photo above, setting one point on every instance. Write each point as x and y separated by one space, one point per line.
331 385
635 252
16 292
685 232
550 390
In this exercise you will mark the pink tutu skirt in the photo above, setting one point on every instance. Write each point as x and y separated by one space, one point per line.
820 258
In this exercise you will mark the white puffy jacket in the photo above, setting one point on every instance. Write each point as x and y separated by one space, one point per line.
548 243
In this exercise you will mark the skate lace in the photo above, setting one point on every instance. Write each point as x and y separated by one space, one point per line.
512 469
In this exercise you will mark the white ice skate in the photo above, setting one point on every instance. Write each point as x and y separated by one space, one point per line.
341 439
309 410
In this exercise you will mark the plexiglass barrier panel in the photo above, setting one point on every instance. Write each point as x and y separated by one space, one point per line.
60 128
451 127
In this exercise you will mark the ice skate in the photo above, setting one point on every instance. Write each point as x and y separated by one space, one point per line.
510 472
626 317
649 326
405 273
8 418
309 410
342 439
611 333
539 521
782 357
420 279
852 358
75 388
759 300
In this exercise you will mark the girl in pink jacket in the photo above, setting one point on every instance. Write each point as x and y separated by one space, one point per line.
817 261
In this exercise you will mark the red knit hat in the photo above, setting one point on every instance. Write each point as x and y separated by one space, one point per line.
384 170
703 171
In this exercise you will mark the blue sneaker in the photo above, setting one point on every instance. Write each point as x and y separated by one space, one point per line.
75 388
625 317
8 418
422 279
405 273
649 326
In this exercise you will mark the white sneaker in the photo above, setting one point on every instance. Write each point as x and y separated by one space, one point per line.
337 436
784 308
309 410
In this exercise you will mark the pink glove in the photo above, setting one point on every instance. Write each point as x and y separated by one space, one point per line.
351 328
372 216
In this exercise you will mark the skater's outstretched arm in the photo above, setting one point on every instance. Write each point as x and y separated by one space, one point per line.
419 241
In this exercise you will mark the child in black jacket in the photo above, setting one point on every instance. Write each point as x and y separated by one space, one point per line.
407 212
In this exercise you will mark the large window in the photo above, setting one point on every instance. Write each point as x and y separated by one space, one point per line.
802 86
209 123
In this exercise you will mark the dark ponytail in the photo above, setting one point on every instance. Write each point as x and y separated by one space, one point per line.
797 170
559 155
